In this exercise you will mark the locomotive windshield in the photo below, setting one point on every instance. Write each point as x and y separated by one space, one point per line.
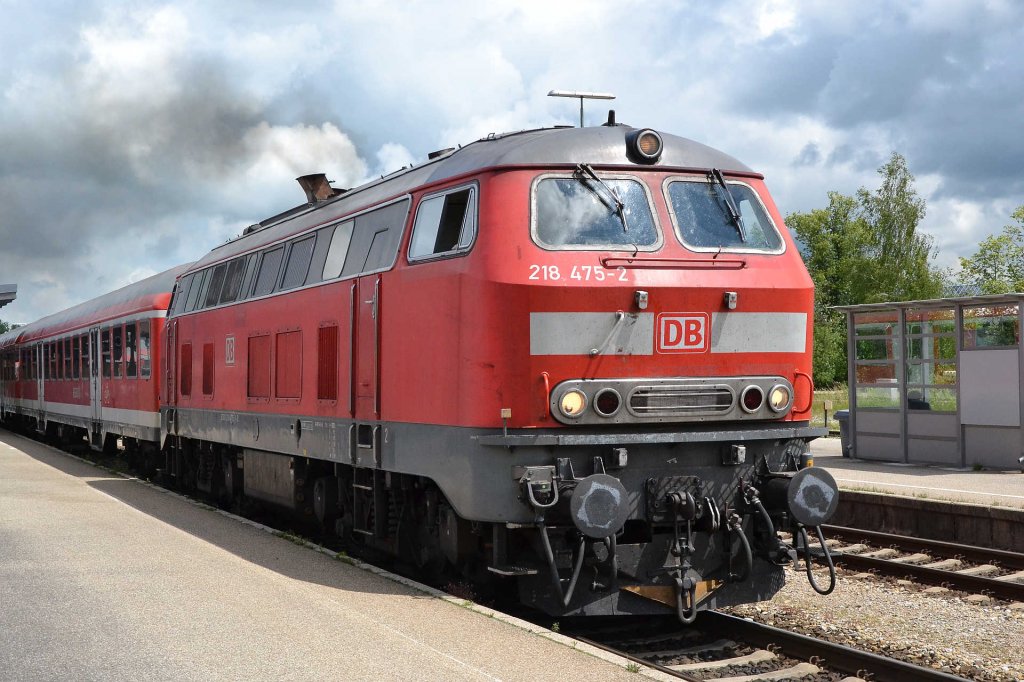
576 212
703 220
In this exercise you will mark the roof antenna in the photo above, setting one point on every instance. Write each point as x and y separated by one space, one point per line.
582 96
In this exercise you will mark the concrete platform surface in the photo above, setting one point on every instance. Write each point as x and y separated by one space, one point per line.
105 578
995 488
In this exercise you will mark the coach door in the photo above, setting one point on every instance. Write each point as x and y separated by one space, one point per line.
366 348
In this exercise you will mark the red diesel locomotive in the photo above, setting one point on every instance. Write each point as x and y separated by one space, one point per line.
573 359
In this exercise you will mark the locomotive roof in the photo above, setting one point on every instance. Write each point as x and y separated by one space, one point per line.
152 293
600 146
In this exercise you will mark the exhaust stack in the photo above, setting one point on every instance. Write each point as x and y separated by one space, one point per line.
316 187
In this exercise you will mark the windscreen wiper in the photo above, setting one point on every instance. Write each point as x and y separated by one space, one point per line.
716 176
609 197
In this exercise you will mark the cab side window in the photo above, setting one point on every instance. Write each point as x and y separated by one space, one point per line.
445 224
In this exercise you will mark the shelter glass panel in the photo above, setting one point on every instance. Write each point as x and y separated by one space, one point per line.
995 326
878 397
883 323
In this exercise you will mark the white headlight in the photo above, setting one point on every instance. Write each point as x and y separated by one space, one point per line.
573 403
779 398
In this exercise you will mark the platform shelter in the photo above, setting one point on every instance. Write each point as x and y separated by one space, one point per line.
937 381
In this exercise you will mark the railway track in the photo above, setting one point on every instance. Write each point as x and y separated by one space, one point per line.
992 572
730 649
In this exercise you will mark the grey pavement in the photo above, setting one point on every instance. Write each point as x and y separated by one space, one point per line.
995 488
104 578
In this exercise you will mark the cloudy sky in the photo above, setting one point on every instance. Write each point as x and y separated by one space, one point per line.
136 135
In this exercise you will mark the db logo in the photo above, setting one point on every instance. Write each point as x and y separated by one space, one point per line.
682 332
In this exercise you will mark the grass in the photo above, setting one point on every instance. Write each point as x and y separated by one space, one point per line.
840 397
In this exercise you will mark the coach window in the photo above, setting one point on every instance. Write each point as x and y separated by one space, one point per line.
144 352
445 224
85 356
105 346
270 265
68 359
76 358
213 293
340 240
193 294
298 262
118 350
703 219
131 368
232 281
580 213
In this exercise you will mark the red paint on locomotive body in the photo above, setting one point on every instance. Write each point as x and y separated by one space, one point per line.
547 330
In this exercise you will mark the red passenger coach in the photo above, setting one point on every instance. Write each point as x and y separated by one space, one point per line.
576 361
90 372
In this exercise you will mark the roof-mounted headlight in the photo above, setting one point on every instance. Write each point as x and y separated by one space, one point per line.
644 145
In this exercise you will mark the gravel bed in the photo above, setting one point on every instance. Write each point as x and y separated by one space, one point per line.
980 642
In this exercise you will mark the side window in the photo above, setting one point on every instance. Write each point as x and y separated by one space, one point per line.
445 224
375 239
193 294
270 265
233 281
181 294
144 353
340 240
76 358
46 361
67 358
298 262
216 284
118 345
131 368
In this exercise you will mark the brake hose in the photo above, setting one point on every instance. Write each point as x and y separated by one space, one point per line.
802 534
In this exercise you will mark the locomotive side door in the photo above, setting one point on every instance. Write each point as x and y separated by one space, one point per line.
366 348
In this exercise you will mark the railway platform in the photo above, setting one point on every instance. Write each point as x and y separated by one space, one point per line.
108 578
942 484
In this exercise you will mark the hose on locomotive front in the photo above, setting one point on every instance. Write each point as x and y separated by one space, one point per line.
802 536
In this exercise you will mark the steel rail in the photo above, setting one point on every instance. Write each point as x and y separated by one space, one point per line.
1002 589
637 659
985 555
833 656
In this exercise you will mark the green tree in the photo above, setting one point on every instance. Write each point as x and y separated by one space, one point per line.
998 264
4 327
864 249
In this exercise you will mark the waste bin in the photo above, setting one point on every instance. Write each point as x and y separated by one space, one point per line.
843 417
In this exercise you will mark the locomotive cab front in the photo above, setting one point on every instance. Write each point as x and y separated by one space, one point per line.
651 320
